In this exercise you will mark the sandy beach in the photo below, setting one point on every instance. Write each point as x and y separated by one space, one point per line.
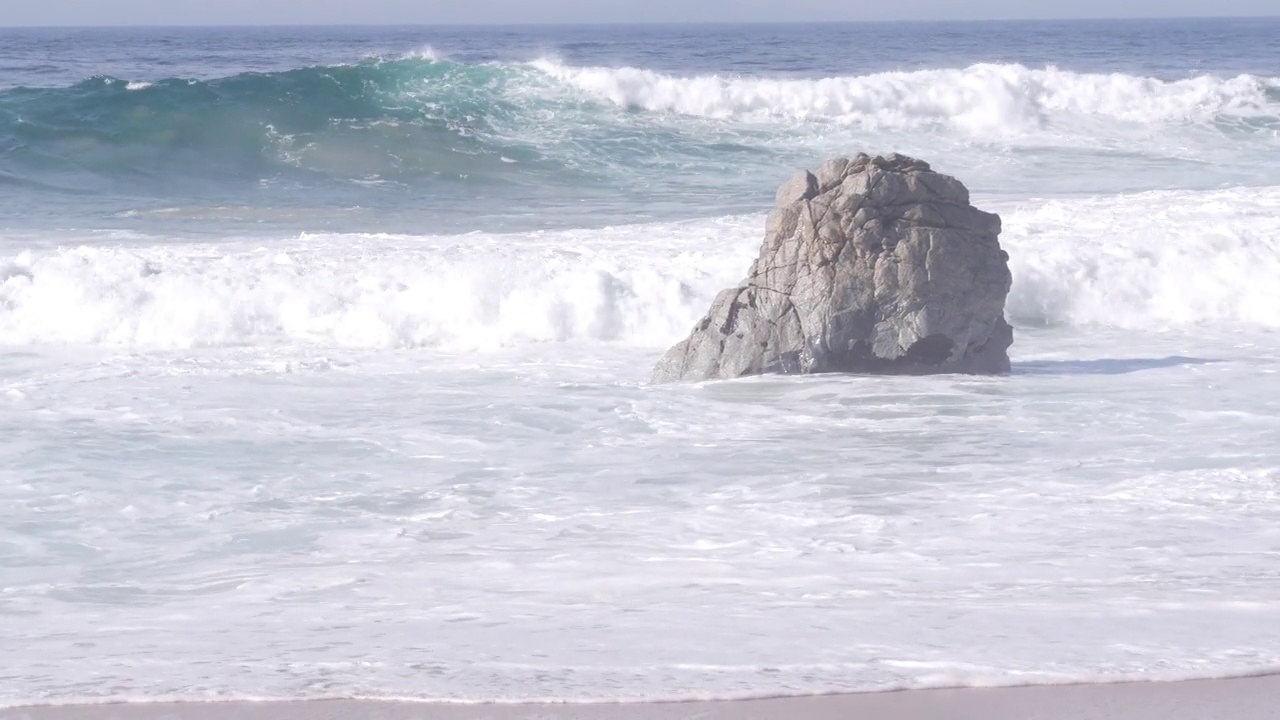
1255 698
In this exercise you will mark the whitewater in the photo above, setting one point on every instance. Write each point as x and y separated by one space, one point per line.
324 363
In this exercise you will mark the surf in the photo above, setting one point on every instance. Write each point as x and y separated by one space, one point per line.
1148 261
421 121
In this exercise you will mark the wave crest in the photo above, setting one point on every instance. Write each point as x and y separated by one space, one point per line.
984 97
1150 261
423 121
471 292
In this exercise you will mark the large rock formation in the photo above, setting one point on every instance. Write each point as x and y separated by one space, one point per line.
874 265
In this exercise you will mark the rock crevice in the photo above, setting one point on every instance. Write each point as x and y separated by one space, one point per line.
870 265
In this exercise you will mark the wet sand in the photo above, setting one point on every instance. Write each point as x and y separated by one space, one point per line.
1256 698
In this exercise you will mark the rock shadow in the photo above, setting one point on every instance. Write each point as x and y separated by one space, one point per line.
1104 366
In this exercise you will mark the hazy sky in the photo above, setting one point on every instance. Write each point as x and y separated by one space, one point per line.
308 12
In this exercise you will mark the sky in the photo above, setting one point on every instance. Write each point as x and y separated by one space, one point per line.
428 12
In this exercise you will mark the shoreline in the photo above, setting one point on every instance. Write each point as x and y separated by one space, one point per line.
1245 698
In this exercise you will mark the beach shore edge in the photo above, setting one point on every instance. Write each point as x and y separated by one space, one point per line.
1249 698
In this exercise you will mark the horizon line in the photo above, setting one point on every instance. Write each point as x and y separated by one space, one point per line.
631 23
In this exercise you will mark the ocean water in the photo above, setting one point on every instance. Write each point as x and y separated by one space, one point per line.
324 360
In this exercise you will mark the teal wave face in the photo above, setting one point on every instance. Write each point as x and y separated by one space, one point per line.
385 119
411 137
436 138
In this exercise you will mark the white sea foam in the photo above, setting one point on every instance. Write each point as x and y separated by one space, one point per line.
980 98
939 680
464 292
868 533
426 52
519 527
1152 260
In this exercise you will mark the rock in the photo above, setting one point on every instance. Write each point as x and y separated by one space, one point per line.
871 265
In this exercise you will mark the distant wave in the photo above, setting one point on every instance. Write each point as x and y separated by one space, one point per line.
1149 261
981 97
424 119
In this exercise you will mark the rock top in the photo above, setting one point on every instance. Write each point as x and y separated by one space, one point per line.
872 265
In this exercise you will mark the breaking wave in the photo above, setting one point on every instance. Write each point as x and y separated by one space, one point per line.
981 98
1147 261
423 119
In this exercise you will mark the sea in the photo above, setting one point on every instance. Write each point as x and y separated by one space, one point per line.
325 358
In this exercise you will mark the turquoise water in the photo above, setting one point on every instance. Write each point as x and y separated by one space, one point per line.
419 128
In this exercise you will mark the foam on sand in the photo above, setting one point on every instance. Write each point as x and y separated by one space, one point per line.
1239 699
